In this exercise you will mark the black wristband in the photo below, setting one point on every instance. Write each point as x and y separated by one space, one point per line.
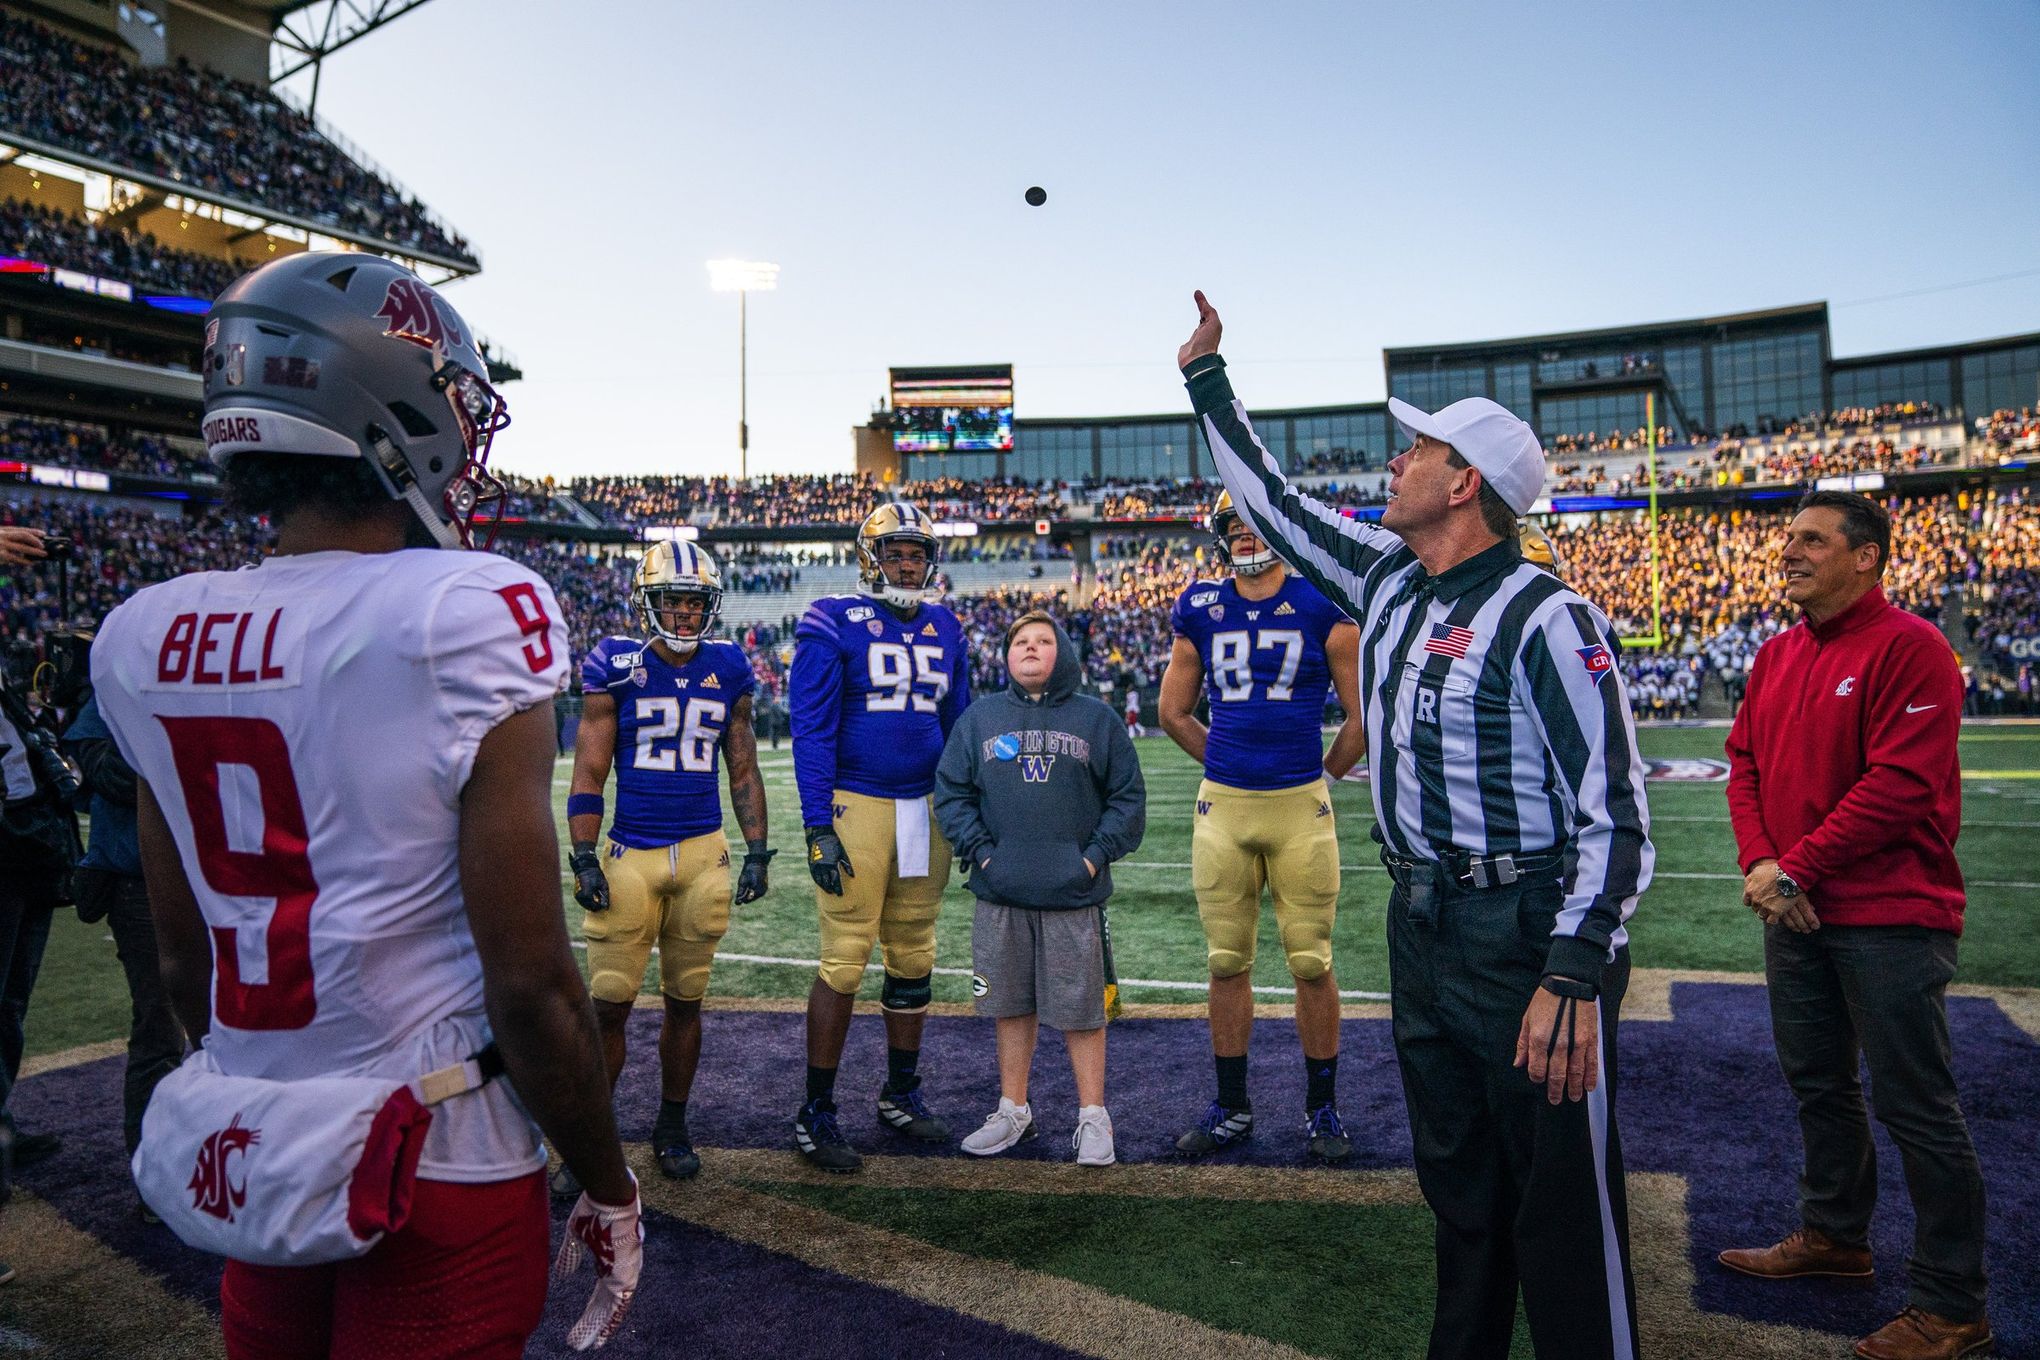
584 847
1558 985
815 833
758 850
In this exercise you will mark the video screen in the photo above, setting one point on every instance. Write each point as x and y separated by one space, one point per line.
953 410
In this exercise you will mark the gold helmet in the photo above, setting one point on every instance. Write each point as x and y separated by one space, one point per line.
894 522
1537 549
669 572
1253 564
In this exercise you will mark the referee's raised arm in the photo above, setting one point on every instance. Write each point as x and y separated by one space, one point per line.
1335 553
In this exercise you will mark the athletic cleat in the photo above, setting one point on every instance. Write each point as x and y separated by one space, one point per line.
675 1152
565 1184
1328 1140
1003 1127
906 1112
821 1141
1093 1137
1221 1128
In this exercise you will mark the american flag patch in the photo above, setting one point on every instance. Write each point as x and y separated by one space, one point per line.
1449 639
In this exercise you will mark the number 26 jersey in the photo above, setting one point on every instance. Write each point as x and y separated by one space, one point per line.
1265 677
670 722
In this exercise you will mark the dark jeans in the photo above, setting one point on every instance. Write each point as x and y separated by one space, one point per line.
26 908
1527 1193
155 1040
1848 994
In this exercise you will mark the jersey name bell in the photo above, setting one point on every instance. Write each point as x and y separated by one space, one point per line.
670 722
307 727
1265 677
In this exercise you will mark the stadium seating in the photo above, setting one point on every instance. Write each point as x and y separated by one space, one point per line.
66 241
183 124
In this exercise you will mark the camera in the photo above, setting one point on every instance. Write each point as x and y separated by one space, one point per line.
57 547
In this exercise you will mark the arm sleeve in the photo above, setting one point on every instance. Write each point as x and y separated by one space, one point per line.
1915 721
495 645
815 703
1590 739
595 669
1179 614
1123 821
742 681
1332 551
958 798
1745 800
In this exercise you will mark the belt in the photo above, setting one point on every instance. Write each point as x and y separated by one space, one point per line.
1470 871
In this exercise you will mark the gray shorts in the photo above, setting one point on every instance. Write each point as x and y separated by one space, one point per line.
1045 963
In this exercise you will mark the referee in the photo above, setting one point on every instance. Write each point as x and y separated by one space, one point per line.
1508 797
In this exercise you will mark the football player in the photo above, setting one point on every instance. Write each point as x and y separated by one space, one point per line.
877 682
1263 646
669 706
345 760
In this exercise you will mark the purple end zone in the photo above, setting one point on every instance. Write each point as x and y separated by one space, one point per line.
1701 1098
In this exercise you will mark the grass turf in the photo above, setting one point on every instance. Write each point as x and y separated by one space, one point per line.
1683 922
1332 1280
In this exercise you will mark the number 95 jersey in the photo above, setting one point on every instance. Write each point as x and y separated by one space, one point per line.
1265 677
669 729
873 697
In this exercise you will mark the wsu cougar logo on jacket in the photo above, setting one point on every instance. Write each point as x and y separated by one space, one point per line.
213 1189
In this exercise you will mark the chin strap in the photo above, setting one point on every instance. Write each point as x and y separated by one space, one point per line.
398 474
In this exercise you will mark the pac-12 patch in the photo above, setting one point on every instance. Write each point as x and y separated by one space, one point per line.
1596 659
978 985
1006 746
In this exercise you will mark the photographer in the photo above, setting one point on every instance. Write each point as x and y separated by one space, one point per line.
108 885
38 845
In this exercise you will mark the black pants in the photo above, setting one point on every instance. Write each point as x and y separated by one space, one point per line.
27 905
155 1040
1839 996
1527 1193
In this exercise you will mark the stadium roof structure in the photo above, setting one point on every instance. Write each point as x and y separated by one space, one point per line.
1798 314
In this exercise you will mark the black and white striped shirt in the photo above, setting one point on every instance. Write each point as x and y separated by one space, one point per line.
1495 713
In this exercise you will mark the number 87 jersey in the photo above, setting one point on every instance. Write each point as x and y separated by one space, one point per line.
1265 678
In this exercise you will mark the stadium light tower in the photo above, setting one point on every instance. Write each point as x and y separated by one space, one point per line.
743 277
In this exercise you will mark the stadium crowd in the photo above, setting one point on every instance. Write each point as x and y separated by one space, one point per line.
49 236
772 502
66 444
180 123
1720 593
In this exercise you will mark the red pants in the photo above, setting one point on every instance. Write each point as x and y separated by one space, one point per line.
465 1278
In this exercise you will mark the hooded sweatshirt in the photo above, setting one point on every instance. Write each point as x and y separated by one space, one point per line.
1037 786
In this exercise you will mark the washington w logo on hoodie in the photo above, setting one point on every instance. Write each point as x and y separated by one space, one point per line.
1034 769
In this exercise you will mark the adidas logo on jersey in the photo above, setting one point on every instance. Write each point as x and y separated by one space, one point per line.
1282 609
928 628
710 681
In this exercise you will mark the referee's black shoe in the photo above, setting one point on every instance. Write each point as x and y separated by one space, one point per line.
1328 1140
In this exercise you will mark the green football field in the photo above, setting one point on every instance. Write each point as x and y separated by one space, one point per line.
1690 919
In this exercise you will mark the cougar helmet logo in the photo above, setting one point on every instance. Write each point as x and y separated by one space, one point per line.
213 1187
411 311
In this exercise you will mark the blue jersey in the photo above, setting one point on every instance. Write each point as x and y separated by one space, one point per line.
669 729
1265 676
873 696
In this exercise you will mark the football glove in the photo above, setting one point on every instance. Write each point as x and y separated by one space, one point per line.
827 865
613 1236
752 878
591 889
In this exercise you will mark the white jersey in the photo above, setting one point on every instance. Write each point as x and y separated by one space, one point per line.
307 726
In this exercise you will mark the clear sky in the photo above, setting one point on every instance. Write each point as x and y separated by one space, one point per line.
1338 177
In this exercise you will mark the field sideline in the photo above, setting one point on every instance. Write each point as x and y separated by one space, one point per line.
1691 919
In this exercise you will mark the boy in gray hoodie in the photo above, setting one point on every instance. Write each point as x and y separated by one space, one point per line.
1039 790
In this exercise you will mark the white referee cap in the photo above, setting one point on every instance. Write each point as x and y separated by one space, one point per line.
1488 436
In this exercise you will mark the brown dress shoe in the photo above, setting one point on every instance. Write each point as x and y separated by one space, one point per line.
1806 1252
1917 1334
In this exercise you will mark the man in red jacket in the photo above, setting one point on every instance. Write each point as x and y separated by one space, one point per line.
1846 797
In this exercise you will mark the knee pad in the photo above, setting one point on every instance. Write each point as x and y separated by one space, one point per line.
841 978
1308 943
609 985
1308 967
907 996
1227 963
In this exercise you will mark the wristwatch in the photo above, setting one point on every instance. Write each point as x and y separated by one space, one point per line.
1786 885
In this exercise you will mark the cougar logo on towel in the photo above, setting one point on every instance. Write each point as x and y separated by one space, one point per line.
414 312
213 1187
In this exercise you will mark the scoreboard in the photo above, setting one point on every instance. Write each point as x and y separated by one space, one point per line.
953 410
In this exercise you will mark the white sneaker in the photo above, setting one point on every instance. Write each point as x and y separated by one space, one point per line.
1005 1126
1093 1138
